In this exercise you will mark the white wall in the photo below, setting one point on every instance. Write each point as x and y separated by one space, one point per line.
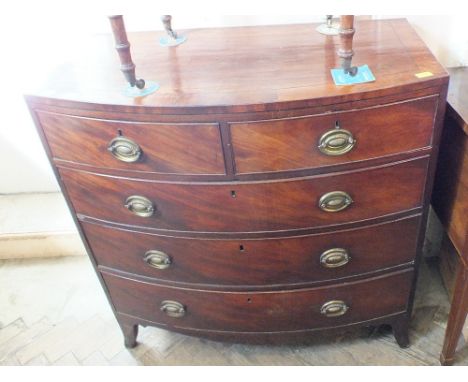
445 36
48 40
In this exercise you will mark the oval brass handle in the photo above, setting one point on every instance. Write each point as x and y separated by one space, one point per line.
124 149
336 142
334 258
157 259
173 308
335 201
334 308
140 206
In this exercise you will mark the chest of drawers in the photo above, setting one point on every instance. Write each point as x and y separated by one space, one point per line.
249 198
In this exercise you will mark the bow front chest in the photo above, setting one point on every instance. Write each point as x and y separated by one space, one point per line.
250 198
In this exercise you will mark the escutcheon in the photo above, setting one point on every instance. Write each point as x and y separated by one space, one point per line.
124 149
173 308
157 259
336 142
334 258
139 206
335 201
334 308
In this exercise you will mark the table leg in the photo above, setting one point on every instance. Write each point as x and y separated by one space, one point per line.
457 316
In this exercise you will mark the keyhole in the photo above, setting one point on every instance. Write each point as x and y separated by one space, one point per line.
233 194
241 248
249 300
337 124
119 131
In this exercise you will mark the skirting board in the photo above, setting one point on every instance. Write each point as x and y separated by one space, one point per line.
37 225
37 244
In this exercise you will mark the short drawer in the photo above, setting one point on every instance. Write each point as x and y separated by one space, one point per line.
298 309
260 262
134 146
250 207
333 139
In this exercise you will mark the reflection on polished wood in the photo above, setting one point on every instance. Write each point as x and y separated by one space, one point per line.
231 174
249 68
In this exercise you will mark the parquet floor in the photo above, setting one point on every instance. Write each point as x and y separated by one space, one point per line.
53 312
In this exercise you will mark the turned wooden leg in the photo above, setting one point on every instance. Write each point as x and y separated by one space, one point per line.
457 316
400 331
130 332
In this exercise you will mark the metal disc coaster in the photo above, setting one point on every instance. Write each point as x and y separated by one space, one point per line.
172 38
170 41
133 91
330 28
135 87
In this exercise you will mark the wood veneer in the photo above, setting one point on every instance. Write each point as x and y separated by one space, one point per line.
279 311
166 148
284 262
250 207
239 166
292 143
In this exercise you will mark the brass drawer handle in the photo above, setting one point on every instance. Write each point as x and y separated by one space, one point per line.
173 308
124 149
336 141
335 201
140 206
157 259
334 258
334 308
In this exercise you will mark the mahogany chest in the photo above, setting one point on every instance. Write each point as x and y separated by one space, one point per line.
250 198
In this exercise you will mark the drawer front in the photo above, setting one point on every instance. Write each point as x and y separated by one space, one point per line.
291 144
249 207
259 262
262 311
147 147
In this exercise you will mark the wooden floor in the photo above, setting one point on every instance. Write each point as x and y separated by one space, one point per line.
53 312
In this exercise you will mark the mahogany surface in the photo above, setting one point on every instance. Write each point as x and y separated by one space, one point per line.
243 263
166 148
230 159
267 206
292 143
280 311
450 201
249 69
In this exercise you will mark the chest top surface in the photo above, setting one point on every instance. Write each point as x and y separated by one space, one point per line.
248 68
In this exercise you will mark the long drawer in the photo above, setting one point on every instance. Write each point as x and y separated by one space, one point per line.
145 147
261 262
248 207
334 138
298 309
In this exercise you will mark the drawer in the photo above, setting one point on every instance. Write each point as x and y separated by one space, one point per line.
293 143
262 311
259 262
137 146
249 207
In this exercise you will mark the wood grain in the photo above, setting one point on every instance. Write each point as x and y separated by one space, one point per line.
268 206
250 69
231 78
167 148
255 264
291 144
262 311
